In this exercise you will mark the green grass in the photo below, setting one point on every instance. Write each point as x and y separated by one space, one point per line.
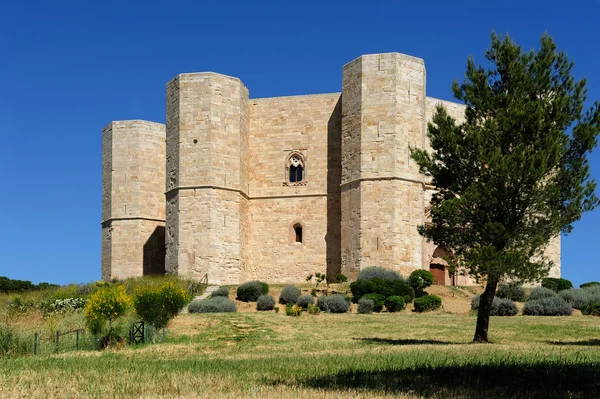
329 356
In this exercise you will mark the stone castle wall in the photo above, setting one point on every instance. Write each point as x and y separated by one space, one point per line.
133 201
210 192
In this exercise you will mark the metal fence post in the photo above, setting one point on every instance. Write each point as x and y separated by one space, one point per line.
35 343
164 332
76 339
57 341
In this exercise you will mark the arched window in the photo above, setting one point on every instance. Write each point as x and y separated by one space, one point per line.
298 232
295 167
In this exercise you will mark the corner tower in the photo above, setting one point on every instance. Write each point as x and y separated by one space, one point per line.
207 177
383 115
133 201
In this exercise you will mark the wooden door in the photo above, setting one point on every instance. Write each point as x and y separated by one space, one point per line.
439 274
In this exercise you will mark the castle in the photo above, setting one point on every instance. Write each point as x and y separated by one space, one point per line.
236 188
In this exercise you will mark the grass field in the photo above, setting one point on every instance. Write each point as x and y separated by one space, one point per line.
268 355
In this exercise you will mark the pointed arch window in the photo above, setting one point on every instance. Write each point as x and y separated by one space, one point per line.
295 169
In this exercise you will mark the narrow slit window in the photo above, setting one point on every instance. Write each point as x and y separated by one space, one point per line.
298 231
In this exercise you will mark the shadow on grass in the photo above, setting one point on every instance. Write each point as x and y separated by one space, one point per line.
384 341
589 342
547 379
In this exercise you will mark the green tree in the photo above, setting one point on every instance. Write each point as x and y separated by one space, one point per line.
515 173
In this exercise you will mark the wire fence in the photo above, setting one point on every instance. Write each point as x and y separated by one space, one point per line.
40 344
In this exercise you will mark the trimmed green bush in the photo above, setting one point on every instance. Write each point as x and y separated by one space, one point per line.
514 292
386 288
217 304
589 284
365 306
541 293
394 304
340 278
378 301
549 306
556 284
374 272
582 297
500 306
289 294
250 291
265 302
305 300
335 303
427 303
591 310
419 280
158 305
222 291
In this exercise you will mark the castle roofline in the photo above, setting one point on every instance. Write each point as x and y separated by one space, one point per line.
339 93
392 52
210 73
132 121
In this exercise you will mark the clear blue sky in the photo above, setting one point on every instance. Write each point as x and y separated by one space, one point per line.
67 68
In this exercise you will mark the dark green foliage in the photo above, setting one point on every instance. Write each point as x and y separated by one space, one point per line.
591 310
515 173
419 280
514 292
394 304
540 293
589 284
333 303
8 285
340 278
289 294
305 300
222 291
378 301
556 284
365 305
250 291
427 303
265 302
374 272
217 304
550 306
387 288
11 344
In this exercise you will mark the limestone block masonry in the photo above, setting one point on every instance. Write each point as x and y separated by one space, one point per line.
235 188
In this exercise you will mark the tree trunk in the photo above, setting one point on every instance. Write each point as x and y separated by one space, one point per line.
483 314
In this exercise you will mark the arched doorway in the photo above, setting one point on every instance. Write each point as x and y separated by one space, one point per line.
439 273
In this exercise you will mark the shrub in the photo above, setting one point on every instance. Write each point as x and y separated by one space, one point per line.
549 306
582 297
293 310
107 304
394 304
591 310
419 280
12 344
589 284
335 303
222 291
340 278
541 293
365 305
503 307
265 302
386 288
313 309
217 304
158 305
427 303
556 284
289 294
61 305
378 301
250 291
374 272
305 300
512 291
